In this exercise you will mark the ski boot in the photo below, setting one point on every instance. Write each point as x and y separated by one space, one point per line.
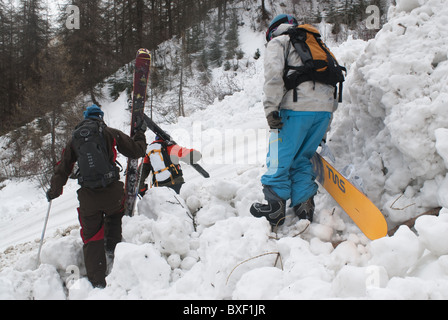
274 211
305 210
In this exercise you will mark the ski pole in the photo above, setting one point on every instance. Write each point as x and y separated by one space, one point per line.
43 235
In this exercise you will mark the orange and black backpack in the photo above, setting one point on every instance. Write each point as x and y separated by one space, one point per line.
319 64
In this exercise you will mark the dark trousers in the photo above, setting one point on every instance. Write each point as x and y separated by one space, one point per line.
100 214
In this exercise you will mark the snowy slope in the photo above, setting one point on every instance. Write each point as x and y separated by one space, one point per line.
204 244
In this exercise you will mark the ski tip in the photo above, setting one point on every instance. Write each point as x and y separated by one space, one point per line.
143 51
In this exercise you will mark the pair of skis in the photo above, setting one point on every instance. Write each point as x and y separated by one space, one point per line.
141 77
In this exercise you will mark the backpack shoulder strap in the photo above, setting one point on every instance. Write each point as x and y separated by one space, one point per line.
298 39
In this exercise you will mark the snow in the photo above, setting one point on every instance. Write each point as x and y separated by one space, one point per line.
391 132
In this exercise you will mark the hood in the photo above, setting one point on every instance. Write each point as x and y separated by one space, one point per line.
282 29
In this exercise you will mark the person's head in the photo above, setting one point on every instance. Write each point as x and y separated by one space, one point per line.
277 21
93 112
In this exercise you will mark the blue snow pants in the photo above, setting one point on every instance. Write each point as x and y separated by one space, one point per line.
290 174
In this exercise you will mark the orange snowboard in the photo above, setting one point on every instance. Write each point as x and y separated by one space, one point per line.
362 211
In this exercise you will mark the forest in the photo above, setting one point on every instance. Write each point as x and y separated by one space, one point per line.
44 65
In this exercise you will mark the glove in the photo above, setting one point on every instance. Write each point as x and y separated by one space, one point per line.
143 190
274 120
140 124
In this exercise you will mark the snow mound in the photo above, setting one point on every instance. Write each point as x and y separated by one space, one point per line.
392 124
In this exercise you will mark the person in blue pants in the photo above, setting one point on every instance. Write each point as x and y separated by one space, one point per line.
298 121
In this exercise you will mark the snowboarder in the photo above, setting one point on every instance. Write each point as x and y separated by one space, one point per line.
93 146
298 119
162 159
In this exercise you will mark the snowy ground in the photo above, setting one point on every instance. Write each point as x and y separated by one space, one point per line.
392 128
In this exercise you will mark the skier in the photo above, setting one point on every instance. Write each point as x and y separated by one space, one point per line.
101 195
298 119
162 159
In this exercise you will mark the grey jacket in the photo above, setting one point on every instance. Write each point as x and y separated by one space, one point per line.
318 97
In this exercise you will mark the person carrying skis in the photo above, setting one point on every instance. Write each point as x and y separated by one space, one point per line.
162 159
101 196
298 119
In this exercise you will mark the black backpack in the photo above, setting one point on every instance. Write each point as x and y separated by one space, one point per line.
96 170
319 64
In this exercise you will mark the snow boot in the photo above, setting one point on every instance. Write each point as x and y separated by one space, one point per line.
274 211
305 210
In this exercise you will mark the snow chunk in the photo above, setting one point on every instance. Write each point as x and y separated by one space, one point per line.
250 288
139 269
41 284
63 252
353 281
172 222
433 233
408 5
442 143
397 254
